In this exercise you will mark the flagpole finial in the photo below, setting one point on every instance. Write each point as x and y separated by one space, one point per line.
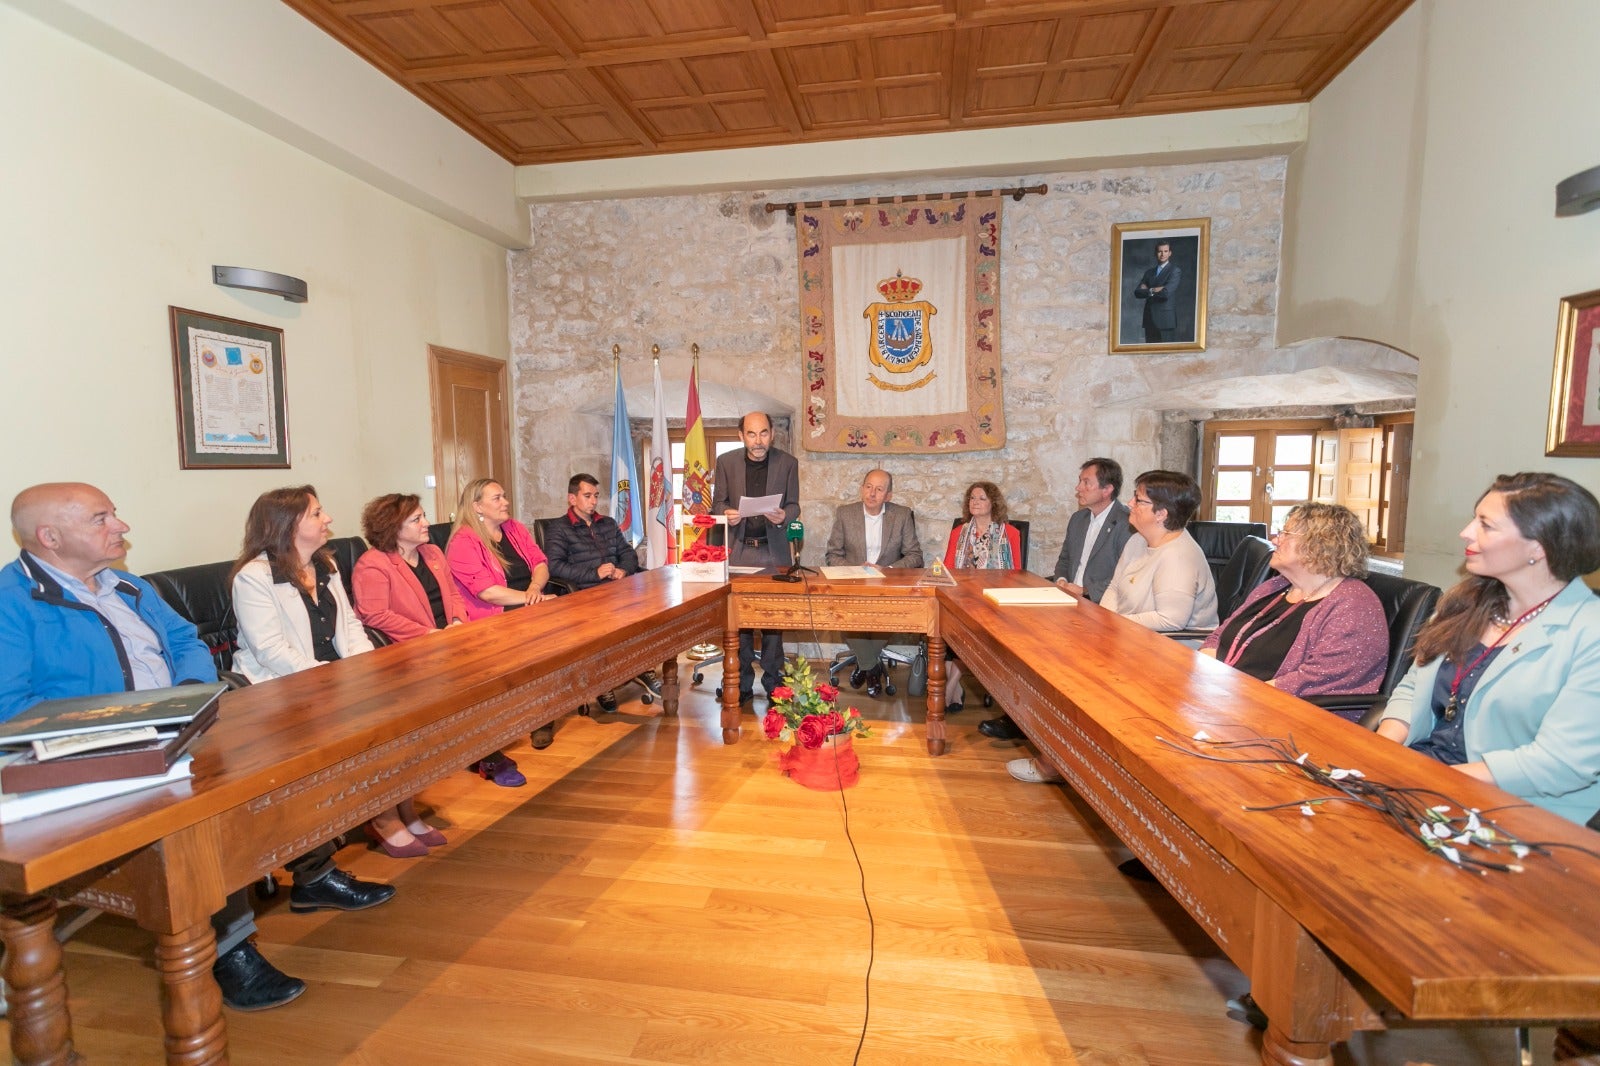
695 348
616 353
655 352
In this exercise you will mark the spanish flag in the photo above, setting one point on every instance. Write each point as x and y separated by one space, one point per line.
696 470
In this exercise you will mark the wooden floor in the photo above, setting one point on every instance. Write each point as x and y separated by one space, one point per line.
651 896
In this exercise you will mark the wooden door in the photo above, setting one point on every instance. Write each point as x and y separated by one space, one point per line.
1361 475
1396 486
471 438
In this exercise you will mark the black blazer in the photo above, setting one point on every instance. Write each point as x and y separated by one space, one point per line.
783 475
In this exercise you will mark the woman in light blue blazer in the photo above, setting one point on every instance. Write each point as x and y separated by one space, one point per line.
1506 685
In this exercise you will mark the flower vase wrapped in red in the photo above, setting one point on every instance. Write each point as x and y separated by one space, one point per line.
822 755
698 558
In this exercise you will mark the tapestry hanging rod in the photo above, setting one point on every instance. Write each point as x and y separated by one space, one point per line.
1016 193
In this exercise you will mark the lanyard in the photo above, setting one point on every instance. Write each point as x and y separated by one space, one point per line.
1453 704
1236 648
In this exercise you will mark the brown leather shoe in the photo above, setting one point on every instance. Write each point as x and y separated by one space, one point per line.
542 737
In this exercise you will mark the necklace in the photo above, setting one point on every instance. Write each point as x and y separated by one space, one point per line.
1244 638
1453 705
1499 617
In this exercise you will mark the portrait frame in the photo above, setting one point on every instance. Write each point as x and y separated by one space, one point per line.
1574 426
1133 252
229 385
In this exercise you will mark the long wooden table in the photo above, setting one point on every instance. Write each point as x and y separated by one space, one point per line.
295 761
1341 922
898 602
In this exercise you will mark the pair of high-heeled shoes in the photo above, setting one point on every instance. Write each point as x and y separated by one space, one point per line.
418 847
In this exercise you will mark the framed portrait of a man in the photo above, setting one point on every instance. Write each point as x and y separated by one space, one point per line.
1159 280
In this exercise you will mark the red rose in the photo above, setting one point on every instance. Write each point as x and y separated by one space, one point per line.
834 721
703 520
773 724
854 713
782 692
828 693
812 732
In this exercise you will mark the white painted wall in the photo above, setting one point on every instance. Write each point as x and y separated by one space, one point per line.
120 193
1422 214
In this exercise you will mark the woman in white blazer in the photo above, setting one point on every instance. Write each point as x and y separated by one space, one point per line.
294 615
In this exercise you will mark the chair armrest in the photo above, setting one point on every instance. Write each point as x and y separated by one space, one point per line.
379 638
232 678
1187 634
1370 705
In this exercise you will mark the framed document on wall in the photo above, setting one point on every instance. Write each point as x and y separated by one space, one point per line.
1574 427
229 382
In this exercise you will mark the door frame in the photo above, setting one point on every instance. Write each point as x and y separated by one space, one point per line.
438 356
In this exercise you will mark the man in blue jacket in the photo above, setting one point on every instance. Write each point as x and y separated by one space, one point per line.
70 625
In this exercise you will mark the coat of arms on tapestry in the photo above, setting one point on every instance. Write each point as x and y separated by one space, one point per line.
900 326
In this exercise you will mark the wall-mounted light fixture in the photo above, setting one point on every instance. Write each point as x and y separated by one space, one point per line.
291 289
1579 193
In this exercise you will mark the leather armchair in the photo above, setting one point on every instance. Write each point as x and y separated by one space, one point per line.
1408 605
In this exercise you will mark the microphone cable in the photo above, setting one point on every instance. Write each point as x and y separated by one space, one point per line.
861 872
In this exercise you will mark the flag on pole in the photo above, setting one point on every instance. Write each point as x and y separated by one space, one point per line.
658 522
624 476
696 470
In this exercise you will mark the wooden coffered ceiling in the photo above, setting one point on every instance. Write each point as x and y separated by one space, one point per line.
543 81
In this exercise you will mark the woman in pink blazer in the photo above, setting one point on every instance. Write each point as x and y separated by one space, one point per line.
403 589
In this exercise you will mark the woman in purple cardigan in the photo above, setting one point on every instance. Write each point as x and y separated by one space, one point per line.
1315 629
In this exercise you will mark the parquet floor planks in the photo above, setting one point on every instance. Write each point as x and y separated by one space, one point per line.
654 897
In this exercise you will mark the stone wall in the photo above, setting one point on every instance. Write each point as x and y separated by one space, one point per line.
719 270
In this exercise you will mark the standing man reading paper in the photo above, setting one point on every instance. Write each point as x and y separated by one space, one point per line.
758 470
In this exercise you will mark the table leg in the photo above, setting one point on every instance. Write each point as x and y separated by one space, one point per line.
935 696
669 687
1296 982
730 686
191 1002
1279 1050
36 988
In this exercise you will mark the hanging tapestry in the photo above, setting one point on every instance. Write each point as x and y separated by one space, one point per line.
900 325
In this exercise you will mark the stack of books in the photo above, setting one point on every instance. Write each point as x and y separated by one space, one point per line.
65 753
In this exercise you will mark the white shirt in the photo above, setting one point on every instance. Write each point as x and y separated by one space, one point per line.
1097 522
142 645
1163 588
874 535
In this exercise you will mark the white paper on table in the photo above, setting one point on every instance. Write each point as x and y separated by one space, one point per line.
756 506
745 569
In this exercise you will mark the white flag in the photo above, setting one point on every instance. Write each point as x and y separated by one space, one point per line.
658 514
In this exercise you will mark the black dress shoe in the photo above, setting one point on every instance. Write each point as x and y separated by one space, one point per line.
338 891
607 702
652 681
249 982
542 737
1002 728
875 682
857 679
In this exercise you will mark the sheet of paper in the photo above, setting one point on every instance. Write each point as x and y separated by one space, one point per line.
836 573
751 506
745 569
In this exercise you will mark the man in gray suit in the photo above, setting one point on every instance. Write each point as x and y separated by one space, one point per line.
878 533
1096 534
758 470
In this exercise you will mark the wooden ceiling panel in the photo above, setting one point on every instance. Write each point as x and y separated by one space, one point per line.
1107 36
492 29
557 80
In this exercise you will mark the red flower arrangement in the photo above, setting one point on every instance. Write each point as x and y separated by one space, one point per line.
702 552
804 711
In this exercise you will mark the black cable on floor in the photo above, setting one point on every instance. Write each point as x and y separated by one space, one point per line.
844 807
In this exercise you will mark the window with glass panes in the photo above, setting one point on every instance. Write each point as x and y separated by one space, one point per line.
1258 471
718 442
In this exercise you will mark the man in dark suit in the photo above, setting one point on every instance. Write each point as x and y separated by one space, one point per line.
878 533
1157 289
1096 534
758 470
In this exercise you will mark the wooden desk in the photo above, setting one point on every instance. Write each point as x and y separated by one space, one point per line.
1340 921
900 601
295 761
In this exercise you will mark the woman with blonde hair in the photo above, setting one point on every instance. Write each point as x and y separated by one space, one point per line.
497 567
1316 628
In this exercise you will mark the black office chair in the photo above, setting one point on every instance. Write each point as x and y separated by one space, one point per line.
346 550
439 534
203 595
1219 540
1247 568
1407 605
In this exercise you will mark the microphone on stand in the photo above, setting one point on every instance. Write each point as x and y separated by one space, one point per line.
796 534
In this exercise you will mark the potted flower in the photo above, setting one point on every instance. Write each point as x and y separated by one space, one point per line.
821 753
